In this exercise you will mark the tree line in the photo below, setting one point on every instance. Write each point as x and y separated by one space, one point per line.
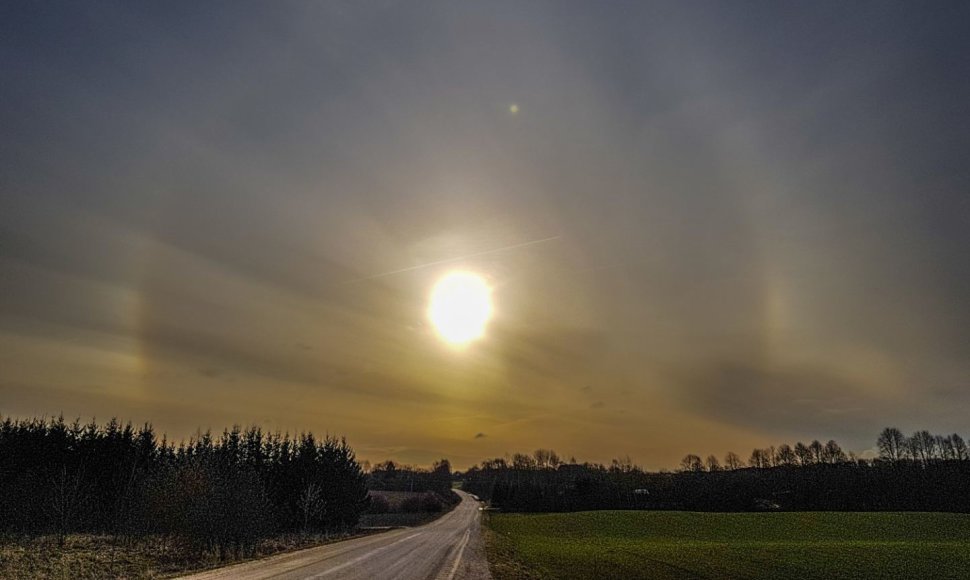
391 476
219 494
922 472
431 487
921 447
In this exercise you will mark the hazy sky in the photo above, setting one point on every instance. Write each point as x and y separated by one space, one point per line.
752 225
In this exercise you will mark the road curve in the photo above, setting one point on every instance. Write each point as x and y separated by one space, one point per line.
448 548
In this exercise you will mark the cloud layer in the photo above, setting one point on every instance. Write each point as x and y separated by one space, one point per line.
756 222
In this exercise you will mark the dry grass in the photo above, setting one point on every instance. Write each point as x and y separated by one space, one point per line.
86 557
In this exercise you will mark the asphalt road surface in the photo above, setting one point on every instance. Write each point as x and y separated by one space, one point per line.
448 548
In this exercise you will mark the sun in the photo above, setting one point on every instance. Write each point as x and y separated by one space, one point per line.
460 307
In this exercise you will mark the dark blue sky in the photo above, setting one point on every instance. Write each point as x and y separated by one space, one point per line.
754 220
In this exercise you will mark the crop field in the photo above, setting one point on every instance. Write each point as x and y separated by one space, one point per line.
664 545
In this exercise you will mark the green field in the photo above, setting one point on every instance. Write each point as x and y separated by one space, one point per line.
659 545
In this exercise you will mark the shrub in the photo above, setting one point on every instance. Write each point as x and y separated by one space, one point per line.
379 505
411 505
431 504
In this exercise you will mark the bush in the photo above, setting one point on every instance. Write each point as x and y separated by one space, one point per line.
412 505
431 504
379 505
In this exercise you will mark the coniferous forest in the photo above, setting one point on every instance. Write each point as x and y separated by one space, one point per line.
218 494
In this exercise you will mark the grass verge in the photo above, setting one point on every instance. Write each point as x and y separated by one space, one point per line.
89 557
503 560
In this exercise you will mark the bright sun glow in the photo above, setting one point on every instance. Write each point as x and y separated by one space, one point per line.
461 304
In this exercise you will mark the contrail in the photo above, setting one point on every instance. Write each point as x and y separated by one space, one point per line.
459 258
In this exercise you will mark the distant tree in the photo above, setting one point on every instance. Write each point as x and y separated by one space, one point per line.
554 460
832 453
388 466
912 448
923 446
691 463
945 447
817 450
959 447
930 444
891 444
442 470
523 461
803 453
713 464
785 455
755 459
497 463
622 465
545 458
760 458
541 457
732 461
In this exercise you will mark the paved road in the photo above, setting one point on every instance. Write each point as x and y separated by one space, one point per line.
448 548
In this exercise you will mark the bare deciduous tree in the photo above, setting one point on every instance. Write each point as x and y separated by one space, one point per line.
817 450
760 458
691 463
945 446
959 447
546 458
623 464
713 464
65 501
832 453
523 461
891 444
922 446
310 504
785 455
732 461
